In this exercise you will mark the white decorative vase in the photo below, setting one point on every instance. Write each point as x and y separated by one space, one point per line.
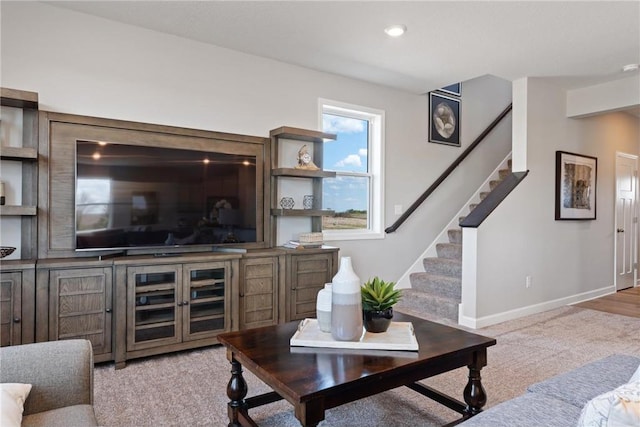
346 304
323 308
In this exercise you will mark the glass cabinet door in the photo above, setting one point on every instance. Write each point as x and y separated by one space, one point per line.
154 298
205 300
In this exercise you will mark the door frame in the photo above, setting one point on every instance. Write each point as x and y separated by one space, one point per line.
635 282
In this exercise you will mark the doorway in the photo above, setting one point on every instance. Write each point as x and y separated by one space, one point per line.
626 221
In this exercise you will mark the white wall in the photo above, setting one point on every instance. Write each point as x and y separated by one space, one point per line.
90 66
606 97
567 260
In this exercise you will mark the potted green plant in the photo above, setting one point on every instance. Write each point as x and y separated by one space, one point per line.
378 299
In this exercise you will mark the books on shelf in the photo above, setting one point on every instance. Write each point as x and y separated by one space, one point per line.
296 244
313 237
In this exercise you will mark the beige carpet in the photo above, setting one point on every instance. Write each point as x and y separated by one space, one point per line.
189 388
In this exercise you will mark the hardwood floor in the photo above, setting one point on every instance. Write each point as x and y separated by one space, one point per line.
625 302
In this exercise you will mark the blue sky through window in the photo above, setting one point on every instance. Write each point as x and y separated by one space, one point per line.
348 153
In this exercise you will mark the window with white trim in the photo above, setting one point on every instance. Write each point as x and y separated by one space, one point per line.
355 195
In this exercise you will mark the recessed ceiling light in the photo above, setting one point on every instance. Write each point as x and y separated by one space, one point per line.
630 67
395 30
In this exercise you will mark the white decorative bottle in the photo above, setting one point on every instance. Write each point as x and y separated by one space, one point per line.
346 304
323 308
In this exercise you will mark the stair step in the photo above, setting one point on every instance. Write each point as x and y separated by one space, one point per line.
436 293
455 235
432 306
449 250
443 266
442 286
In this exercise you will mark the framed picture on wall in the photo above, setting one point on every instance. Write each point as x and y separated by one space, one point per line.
576 179
444 119
454 89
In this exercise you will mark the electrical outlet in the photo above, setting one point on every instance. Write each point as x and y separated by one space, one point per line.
397 209
527 282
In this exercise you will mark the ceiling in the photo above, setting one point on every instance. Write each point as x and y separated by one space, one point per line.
576 43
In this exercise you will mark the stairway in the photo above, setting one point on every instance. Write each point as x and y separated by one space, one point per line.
436 293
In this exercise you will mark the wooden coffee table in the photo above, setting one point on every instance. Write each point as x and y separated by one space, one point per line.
316 379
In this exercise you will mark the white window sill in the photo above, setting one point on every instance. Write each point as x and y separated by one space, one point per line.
330 236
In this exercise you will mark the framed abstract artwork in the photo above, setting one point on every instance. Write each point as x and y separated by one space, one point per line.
444 119
576 180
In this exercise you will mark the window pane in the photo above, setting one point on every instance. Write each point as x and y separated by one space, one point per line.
348 196
348 153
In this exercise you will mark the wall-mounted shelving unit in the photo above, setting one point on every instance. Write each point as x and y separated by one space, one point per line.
24 151
281 169
132 306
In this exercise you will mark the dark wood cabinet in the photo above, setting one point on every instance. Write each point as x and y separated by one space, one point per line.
259 291
133 304
139 306
17 297
80 306
153 293
206 300
10 308
281 285
74 299
168 306
307 272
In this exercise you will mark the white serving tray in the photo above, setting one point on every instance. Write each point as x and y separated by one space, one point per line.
399 336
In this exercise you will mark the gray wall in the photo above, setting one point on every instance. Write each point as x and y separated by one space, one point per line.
567 260
91 66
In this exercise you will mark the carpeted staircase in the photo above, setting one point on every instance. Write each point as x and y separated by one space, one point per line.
437 292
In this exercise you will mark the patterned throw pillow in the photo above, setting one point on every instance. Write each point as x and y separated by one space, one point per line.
616 408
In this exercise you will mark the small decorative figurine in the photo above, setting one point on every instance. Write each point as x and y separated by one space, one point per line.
304 159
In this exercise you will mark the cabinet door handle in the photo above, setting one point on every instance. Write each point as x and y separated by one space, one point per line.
241 294
179 304
185 302
108 310
620 230
16 320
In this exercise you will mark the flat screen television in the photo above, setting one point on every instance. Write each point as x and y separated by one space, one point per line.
133 196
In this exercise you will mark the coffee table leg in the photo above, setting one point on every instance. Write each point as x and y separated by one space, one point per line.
236 391
310 413
474 394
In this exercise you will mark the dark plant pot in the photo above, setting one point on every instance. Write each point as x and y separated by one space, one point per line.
377 321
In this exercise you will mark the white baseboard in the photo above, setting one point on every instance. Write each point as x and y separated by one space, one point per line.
481 322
